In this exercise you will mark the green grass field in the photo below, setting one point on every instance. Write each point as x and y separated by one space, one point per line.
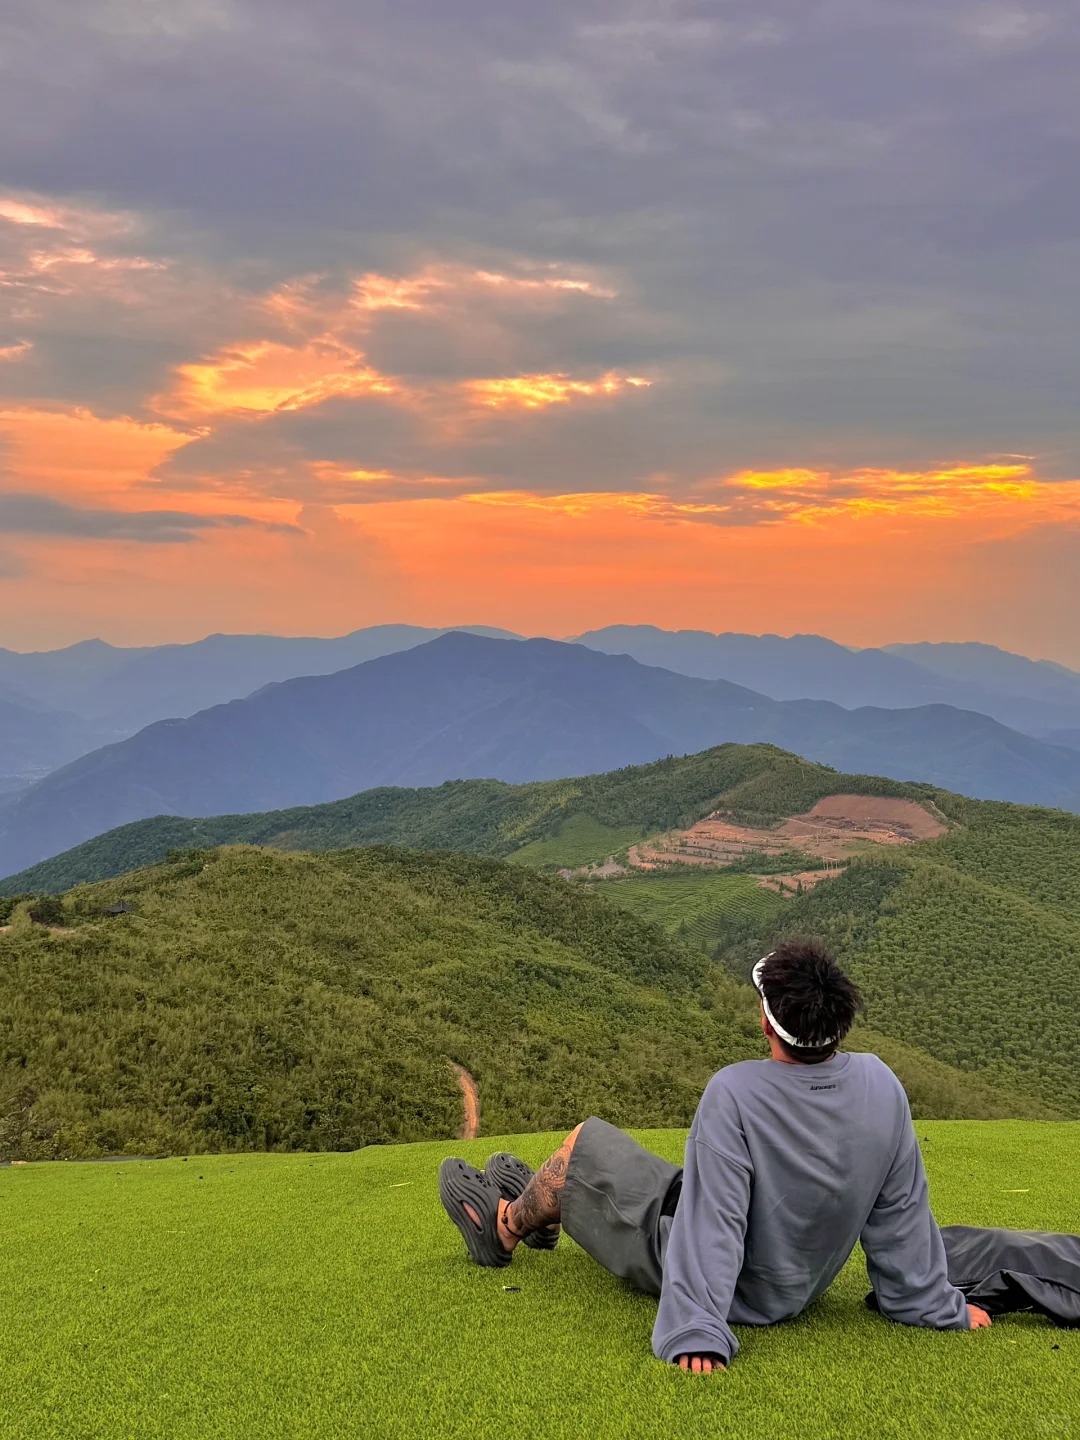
581 840
694 903
262 1296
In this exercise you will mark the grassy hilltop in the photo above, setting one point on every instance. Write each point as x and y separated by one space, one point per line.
268 999
259 999
548 823
263 1000
326 1297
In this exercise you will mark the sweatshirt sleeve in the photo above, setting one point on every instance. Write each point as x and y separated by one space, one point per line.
705 1247
905 1254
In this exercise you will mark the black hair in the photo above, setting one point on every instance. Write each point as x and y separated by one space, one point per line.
810 996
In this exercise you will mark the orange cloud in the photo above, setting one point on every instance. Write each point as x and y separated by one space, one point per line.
265 376
951 490
78 452
389 292
82 221
320 352
434 284
994 493
537 392
60 250
62 256
576 506
775 479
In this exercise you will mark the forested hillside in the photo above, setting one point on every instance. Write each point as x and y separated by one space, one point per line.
967 946
254 999
259 1000
488 817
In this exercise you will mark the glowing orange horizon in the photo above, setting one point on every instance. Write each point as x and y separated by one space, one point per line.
413 526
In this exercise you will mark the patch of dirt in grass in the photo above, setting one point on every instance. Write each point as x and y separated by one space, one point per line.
784 884
875 817
607 871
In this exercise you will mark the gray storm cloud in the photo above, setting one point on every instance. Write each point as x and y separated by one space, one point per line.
845 232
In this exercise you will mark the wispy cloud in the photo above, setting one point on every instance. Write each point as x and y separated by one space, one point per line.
315 336
536 392
263 377
40 515
819 498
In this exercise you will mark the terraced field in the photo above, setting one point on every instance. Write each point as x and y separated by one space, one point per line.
693 904
581 840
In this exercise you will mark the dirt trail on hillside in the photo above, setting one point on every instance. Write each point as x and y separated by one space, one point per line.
470 1125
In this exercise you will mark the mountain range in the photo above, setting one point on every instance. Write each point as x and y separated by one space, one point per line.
130 688
1036 696
92 693
552 823
467 705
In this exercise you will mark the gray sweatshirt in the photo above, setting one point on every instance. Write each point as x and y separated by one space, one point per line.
787 1166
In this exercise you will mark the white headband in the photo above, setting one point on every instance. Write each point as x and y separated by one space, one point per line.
798 1044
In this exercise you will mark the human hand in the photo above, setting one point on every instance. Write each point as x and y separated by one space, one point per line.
980 1320
705 1364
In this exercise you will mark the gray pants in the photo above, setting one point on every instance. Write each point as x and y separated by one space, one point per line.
619 1200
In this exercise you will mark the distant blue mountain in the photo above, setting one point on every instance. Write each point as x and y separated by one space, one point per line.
34 741
1033 696
1071 738
127 689
996 671
467 706
106 692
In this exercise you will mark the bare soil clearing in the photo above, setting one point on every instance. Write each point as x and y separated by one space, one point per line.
807 879
877 817
834 830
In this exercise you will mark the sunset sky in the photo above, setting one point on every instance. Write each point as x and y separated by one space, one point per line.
732 316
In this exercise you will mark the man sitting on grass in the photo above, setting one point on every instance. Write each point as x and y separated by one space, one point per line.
789 1162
